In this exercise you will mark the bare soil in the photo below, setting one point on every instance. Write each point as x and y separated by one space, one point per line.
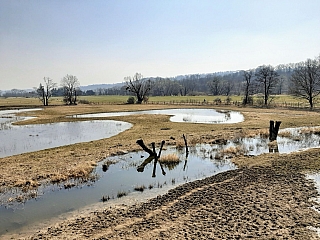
268 197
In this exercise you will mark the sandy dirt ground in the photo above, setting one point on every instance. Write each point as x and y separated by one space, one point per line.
248 203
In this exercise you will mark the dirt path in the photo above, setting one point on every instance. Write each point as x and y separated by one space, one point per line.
256 203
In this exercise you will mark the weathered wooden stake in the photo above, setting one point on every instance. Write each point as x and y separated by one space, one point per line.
155 159
185 142
162 143
144 147
152 155
162 169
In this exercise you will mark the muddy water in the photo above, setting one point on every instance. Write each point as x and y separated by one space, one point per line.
209 116
29 138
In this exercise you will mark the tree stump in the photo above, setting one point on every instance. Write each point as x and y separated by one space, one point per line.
273 130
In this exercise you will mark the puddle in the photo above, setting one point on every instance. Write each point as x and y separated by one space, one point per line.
121 177
297 139
209 116
29 138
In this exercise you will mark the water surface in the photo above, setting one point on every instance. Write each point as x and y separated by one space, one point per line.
120 177
187 115
17 139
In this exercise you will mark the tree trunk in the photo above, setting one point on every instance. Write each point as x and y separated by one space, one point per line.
273 130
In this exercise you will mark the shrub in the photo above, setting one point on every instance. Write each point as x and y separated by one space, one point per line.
217 101
228 100
130 100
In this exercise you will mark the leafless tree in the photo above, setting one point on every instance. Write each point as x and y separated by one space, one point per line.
215 85
44 92
305 80
188 84
267 78
248 79
139 86
165 87
227 87
70 86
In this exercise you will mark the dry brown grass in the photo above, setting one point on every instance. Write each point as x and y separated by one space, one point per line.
314 130
285 134
234 151
76 160
170 158
180 143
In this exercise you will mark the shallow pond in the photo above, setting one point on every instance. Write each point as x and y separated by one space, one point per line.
187 115
119 178
29 138
296 139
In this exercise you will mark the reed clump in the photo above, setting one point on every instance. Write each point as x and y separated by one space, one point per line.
180 144
233 151
170 158
121 194
140 188
170 161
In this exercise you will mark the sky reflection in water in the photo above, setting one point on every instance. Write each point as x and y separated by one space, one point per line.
187 115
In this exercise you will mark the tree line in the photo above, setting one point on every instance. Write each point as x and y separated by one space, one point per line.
298 79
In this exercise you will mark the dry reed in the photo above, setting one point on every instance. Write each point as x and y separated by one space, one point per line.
170 158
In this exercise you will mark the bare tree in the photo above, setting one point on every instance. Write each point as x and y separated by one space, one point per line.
139 86
188 84
248 76
44 92
215 85
305 80
267 78
227 87
70 86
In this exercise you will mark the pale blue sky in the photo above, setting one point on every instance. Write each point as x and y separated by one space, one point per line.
102 41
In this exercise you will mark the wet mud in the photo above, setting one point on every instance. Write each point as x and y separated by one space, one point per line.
247 203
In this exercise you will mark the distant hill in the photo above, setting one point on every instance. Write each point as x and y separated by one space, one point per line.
97 86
